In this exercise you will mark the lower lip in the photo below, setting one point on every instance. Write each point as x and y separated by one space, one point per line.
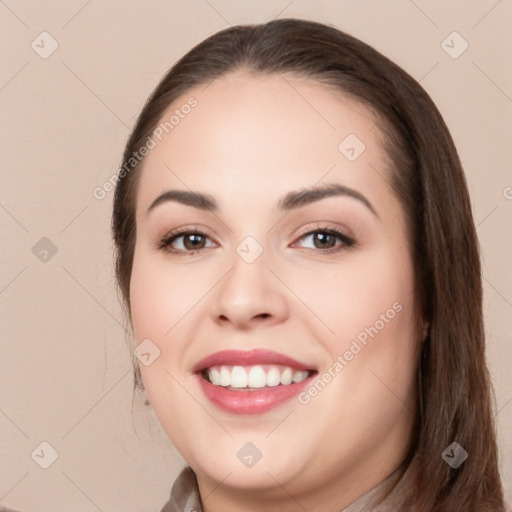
250 402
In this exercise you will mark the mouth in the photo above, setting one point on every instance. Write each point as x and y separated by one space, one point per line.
251 382
250 378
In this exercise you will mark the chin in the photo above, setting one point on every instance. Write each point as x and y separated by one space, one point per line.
259 477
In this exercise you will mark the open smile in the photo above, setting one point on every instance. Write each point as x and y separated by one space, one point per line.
251 382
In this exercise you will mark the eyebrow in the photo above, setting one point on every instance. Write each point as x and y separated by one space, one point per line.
291 201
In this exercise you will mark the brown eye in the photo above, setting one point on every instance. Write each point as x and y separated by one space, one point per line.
193 241
184 242
325 239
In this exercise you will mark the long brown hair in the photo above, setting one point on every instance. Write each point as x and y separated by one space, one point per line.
456 400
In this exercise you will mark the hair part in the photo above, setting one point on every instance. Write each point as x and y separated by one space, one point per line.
455 393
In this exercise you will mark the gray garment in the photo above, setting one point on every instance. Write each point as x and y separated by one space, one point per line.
184 493
384 497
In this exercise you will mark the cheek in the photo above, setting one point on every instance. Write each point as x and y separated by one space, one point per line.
374 349
350 297
160 297
158 302
168 304
369 308
156 306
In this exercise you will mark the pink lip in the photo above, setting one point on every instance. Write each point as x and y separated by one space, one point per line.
250 402
244 401
248 358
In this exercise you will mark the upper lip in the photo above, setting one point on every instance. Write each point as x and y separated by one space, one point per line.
248 358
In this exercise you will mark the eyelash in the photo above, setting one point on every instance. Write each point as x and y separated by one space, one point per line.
169 238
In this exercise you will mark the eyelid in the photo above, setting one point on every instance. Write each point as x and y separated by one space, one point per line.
178 232
320 225
347 240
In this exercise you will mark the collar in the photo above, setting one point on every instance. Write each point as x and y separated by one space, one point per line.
386 496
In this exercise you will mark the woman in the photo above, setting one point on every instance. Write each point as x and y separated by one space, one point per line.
297 255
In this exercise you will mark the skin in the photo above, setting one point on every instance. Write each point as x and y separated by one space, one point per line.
249 141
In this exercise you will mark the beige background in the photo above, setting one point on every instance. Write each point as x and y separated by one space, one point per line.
64 365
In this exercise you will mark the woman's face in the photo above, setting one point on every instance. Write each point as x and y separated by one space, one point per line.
269 289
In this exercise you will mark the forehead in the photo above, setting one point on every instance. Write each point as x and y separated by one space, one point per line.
255 137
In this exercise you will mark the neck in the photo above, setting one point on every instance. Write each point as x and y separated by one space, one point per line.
336 494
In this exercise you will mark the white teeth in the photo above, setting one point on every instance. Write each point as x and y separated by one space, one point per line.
300 375
286 377
214 376
255 376
238 377
225 377
273 377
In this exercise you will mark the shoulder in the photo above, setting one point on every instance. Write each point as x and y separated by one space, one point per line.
184 493
5 509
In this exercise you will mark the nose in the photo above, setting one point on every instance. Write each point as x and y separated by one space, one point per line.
249 295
